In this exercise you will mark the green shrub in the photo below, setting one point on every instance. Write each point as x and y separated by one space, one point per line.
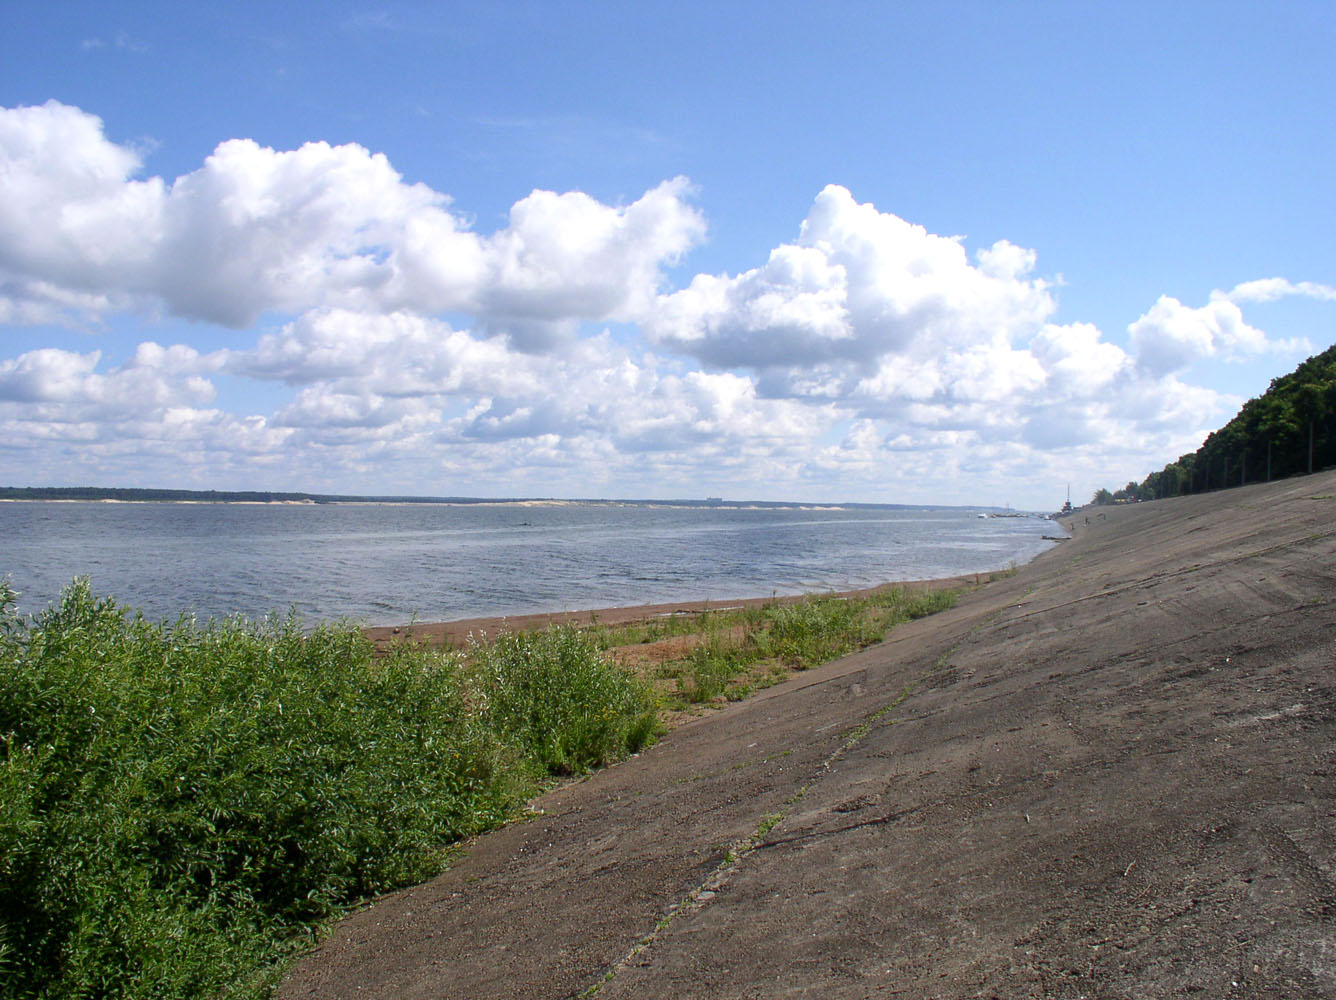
182 804
561 698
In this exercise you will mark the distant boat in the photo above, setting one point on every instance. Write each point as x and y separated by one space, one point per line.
714 499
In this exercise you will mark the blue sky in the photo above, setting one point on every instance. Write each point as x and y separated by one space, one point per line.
940 253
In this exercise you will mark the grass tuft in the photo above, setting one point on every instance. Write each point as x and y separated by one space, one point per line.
740 652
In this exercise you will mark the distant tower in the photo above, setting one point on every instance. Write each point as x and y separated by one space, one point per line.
1067 507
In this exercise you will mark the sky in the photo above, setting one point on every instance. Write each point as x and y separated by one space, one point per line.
924 253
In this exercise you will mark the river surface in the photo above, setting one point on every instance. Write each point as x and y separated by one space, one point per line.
381 564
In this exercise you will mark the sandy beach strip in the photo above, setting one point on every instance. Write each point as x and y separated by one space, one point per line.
457 633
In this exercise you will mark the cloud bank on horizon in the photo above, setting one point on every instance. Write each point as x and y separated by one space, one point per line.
403 350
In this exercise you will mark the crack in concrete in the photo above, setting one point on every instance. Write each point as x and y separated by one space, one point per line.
741 849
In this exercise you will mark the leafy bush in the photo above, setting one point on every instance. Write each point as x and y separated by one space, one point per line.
182 804
560 698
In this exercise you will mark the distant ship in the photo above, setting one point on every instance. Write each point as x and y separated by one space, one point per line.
714 499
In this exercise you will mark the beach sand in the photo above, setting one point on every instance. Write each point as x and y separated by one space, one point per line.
458 633
1112 774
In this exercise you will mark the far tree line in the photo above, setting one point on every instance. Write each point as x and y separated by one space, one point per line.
1286 431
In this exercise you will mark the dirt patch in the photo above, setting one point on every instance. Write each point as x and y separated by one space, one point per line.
644 656
1109 775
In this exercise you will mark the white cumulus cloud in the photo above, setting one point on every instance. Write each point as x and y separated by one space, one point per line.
858 285
153 379
1270 289
1171 336
255 229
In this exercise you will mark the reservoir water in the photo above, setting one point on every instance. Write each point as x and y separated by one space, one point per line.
390 563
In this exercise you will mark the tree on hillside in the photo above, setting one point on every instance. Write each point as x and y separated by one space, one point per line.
1275 422
1288 430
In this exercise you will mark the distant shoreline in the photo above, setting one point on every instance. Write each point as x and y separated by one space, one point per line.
97 494
250 503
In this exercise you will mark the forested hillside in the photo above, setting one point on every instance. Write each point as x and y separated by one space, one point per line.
1286 431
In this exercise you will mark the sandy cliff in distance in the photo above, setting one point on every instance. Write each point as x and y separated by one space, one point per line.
1109 775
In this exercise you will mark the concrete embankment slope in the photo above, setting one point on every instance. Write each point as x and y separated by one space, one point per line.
1109 775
